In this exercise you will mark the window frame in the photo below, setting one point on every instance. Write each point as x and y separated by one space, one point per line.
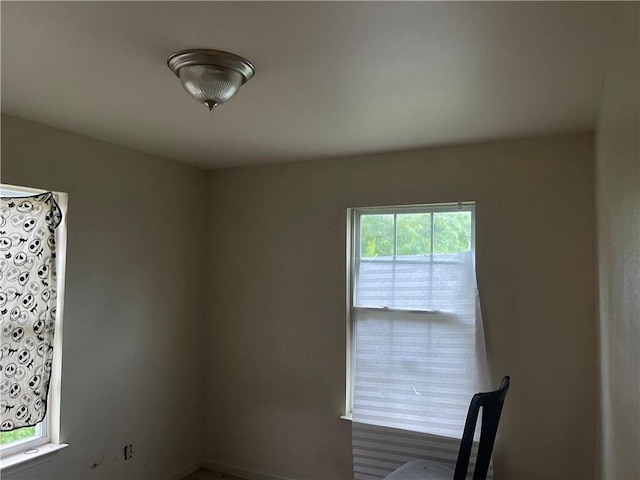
47 438
353 255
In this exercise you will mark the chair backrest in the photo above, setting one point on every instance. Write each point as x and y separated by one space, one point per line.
491 403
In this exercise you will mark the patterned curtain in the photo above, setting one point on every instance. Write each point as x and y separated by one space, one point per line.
28 300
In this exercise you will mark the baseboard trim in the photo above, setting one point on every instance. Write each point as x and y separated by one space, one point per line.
238 471
185 471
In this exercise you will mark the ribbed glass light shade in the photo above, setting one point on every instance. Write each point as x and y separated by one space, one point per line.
209 84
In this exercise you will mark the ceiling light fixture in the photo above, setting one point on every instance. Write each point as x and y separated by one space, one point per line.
211 77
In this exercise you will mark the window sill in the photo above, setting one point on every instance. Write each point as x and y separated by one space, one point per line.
348 417
20 461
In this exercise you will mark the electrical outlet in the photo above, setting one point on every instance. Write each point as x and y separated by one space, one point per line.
127 451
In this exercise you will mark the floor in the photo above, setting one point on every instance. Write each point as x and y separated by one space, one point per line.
203 474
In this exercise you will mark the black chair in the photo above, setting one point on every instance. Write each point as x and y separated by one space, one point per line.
491 403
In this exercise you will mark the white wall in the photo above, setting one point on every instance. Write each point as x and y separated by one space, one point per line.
274 346
276 339
132 370
618 206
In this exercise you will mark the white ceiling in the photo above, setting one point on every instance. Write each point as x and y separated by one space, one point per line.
332 79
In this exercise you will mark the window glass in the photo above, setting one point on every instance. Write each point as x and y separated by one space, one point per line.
414 234
376 235
451 232
17 435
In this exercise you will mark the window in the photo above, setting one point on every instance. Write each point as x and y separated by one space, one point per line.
42 277
416 351
413 359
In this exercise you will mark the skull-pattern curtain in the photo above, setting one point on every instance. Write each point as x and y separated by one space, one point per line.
27 306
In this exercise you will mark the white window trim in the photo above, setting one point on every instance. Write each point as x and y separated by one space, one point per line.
353 225
16 456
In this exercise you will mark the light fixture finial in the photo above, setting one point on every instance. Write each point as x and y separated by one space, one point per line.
211 104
